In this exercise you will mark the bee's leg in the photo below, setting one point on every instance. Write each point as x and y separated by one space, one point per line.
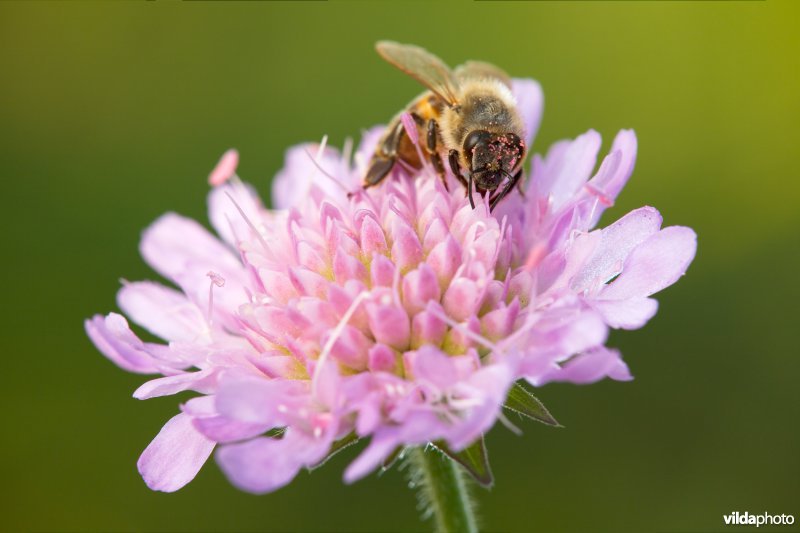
510 185
385 156
433 155
379 167
455 166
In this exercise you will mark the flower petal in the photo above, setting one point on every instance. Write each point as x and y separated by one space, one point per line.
616 243
613 173
589 367
632 313
655 264
164 312
530 103
202 381
566 168
229 209
183 251
264 464
249 398
115 340
217 427
175 456
292 185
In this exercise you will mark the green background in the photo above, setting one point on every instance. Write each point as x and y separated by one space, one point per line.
113 113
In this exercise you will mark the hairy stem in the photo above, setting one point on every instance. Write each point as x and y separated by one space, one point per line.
442 490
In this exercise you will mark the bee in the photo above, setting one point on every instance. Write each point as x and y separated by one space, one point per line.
469 114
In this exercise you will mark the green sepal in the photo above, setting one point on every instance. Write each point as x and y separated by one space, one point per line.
521 401
275 433
390 461
473 458
339 445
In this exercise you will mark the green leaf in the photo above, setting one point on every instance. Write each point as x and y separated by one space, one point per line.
336 447
473 458
521 401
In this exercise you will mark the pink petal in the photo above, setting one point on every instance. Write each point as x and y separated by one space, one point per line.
430 365
264 464
632 313
591 366
115 340
372 237
293 184
406 250
445 258
566 173
175 456
225 169
462 299
374 454
655 264
164 312
216 427
202 381
428 328
183 251
224 205
381 359
419 287
613 173
389 324
616 242
256 400
530 103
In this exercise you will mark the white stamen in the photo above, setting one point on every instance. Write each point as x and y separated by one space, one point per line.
462 328
508 424
337 332
347 151
324 172
219 281
250 223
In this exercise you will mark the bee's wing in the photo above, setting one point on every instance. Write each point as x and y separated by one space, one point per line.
479 69
423 66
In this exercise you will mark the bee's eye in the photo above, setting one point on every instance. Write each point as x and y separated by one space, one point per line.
474 139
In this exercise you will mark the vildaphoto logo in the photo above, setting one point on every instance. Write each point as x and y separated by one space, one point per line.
746 519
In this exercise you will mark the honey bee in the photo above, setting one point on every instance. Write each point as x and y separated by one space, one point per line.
469 113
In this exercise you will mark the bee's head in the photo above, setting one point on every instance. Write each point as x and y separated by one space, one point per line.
493 157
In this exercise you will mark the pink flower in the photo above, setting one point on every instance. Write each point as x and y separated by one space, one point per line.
398 314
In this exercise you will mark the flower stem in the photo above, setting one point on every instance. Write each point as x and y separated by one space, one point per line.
442 490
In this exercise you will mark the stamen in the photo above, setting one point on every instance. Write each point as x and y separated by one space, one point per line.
250 223
461 328
535 256
508 424
337 332
411 127
219 281
347 151
225 168
322 170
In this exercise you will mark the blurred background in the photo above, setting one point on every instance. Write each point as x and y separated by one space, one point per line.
113 113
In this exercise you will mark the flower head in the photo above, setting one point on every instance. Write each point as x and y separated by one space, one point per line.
398 314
